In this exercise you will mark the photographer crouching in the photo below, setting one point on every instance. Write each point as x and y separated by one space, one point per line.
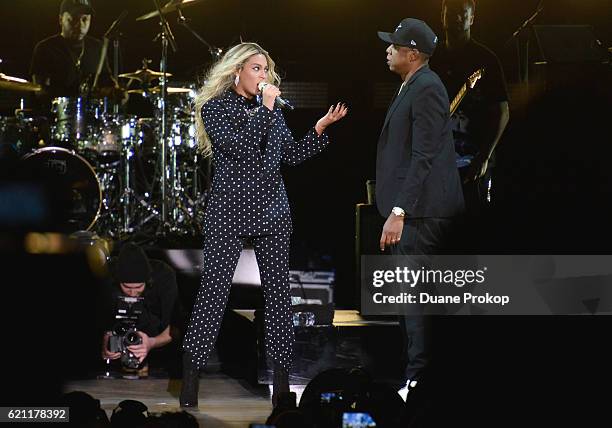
148 321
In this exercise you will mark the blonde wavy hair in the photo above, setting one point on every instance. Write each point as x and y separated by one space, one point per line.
220 77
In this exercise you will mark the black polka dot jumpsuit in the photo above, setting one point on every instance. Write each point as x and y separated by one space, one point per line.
247 199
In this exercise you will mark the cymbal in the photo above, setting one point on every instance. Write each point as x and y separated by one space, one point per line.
157 90
171 6
144 75
16 84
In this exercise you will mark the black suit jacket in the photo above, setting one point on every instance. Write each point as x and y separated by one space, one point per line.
415 165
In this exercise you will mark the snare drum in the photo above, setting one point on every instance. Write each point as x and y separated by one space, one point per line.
73 182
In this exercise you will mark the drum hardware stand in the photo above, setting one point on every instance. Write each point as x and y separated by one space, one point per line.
196 200
190 219
166 37
127 190
215 52
123 208
181 201
108 220
176 185
185 208
186 220
129 195
199 196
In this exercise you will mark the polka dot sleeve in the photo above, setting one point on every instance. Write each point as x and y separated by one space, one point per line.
295 152
227 137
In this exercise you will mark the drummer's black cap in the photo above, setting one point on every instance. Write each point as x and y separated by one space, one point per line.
77 6
412 33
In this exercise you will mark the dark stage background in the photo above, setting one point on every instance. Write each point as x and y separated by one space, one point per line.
553 176
541 156
552 160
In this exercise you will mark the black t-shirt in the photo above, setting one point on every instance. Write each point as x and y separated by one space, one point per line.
66 64
454 68
161 304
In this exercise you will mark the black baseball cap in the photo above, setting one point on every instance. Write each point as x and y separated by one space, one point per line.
412 33
132 265
77 6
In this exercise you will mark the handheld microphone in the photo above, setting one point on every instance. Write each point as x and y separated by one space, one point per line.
282 103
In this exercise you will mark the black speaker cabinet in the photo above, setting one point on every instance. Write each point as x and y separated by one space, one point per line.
368 227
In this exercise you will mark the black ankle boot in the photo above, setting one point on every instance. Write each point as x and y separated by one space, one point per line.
280 385
191 383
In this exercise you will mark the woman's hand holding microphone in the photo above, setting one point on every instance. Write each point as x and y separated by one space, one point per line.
270 92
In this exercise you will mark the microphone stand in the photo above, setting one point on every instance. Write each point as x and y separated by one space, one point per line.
523 60
214 51
166 37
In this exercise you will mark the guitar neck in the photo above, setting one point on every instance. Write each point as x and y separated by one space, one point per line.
457 100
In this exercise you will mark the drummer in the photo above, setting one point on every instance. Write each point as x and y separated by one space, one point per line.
65 64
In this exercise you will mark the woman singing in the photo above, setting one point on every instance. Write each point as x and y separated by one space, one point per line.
248 143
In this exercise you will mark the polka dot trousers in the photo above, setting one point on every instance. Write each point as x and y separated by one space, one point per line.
220 259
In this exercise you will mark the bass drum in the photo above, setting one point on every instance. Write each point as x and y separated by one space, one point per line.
75 193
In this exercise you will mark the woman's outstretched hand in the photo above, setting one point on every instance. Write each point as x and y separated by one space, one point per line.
334 114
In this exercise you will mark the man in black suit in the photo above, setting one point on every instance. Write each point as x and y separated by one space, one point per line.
417 184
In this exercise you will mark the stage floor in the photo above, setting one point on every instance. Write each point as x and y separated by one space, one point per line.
223 401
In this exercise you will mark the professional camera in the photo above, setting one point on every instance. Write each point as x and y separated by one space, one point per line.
124 333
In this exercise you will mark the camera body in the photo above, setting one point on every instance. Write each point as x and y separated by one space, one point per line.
124 332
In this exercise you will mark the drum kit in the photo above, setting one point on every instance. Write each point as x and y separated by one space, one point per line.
126 173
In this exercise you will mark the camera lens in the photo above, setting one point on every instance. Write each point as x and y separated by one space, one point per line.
132 338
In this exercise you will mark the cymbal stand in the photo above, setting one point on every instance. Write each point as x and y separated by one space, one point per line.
166 37
215 52
191 207
174 173
185 209
127 190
